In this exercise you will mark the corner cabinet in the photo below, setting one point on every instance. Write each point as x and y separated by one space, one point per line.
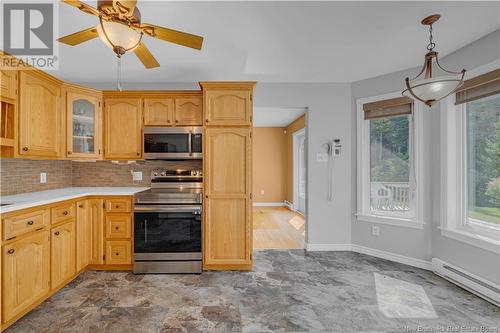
83 125
39 116
227 228
123 128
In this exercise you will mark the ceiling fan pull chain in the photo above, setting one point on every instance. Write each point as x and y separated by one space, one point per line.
119 74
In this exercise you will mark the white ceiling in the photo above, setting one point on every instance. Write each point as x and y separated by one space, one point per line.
275 117
280 41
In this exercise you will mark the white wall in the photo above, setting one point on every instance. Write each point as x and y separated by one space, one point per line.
427 243
328 116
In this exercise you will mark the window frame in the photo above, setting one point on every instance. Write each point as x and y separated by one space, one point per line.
454 176
364 213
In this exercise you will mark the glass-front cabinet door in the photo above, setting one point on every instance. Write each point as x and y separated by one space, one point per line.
83 126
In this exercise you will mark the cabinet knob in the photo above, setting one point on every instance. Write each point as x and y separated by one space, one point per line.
206 196
116 228
25 148
11 251
65 212
117 253
176 121
69 153
138 154
80 206
168 121
56 233
206 120
117 206
29 223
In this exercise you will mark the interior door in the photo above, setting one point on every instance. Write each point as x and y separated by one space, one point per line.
227 229
123 128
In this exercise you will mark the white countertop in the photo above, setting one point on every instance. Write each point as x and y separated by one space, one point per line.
32 199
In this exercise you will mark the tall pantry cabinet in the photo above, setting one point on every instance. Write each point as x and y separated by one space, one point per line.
227 241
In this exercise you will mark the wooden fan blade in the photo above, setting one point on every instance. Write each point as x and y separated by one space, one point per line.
173 36
82 6
142 52
79 37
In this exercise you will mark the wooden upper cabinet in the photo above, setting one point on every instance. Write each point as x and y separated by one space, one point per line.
227 223
123 128
39 116
228 107
189 111
63 247
25 273
8 84
158 111
83 126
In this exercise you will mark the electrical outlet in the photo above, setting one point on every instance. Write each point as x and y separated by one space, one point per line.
136 175
43 177
262 192
375 230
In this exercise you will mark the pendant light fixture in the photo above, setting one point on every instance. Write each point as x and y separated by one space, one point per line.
426 87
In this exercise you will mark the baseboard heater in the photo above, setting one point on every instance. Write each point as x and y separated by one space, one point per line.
488 290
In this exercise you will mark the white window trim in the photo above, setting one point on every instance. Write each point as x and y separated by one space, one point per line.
454 222
363 193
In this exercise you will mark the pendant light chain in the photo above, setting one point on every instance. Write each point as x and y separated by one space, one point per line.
431 44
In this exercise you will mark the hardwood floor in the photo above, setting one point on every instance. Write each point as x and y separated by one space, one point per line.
277 228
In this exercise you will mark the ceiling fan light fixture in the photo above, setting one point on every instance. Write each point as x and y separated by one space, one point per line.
425 87
118 37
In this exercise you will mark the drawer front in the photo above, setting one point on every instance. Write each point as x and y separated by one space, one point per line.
118 226
118 206
23 223
118 252
63 213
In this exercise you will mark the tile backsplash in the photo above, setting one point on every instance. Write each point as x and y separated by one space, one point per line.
106 173
23 175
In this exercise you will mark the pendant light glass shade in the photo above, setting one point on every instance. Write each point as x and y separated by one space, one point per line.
118 36
428 88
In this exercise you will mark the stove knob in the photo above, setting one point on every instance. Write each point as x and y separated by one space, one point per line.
163 174
155 174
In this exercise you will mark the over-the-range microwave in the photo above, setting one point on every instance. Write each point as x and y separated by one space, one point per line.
172 143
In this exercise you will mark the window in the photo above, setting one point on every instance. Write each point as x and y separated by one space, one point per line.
471 162
483 161
388 161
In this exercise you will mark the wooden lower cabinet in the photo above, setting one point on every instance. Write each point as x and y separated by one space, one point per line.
63 246
25 273
83 235
118 252
96 217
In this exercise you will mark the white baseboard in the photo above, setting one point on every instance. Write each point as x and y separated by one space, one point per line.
268 204
328 247
483 288
419 263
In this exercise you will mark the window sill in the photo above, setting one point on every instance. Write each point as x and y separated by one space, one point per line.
471 238
396 221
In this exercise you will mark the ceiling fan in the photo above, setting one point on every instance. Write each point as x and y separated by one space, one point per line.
121 29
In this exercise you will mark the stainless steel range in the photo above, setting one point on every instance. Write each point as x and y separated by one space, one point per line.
167 223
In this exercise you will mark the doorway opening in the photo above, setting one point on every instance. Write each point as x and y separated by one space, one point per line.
279 178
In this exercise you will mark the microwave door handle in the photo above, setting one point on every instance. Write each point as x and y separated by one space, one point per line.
190 137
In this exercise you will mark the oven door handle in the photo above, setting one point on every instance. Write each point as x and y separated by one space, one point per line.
168 208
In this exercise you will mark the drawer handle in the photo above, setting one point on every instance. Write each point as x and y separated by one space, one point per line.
117 206
11 251
29 223
56 233
65 212
116 228
25 148
80 206
206 120
117 253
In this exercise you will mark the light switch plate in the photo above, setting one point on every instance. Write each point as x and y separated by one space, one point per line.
322 157
137 175
375 230
43 177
